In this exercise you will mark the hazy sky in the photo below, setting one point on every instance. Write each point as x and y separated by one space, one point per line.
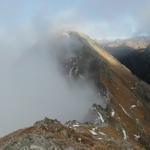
23 23
97 18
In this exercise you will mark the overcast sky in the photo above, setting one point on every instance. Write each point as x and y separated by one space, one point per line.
97 18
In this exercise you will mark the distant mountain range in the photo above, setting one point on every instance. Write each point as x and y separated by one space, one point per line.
124 121
134 53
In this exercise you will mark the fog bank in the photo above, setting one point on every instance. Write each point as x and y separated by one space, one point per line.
33 87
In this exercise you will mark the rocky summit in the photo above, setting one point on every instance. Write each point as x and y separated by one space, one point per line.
123 121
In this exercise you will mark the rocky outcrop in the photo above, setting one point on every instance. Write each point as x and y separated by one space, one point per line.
97 115
52 135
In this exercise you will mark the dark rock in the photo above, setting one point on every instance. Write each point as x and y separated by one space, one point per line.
47 121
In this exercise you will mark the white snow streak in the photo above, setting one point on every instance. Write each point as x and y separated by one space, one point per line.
75 125
102 133
136 136
124 111
112 113
124 134
94 133
100 117
133 106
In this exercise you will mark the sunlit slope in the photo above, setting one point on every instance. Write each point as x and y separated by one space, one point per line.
129 97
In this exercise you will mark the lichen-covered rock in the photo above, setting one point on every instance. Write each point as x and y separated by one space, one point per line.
30 142
47 121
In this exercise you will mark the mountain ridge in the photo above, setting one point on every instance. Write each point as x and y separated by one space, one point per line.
133 53
122 124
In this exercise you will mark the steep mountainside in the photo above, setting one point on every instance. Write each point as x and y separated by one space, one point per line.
133 53
122 123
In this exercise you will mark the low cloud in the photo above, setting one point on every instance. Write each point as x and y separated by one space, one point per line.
33 87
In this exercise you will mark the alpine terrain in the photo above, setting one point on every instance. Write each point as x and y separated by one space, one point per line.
119 120
134 53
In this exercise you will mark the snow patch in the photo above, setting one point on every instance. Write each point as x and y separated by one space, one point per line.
112 113
72 125
102 133
124 134
124 111
133 106
93 108
100 117
75 125
136 136
94 133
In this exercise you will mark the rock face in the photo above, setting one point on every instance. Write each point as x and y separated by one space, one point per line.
133 53
79 60
97 115
123 123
